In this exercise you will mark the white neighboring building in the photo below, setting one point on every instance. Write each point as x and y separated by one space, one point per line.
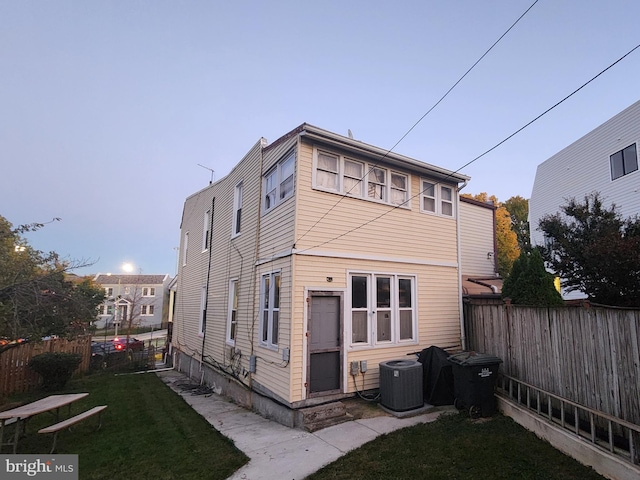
140 298
605 160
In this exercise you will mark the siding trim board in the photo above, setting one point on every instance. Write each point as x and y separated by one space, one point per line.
355 256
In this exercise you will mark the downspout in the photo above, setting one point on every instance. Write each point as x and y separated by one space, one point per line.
206 287
463 338
263 144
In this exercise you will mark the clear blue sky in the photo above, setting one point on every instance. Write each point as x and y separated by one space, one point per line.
108 107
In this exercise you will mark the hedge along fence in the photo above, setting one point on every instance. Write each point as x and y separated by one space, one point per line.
17 377
590 355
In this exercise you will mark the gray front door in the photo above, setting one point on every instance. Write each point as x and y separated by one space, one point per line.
325 343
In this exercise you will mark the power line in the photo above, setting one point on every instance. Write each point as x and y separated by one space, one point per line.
422 117
482 154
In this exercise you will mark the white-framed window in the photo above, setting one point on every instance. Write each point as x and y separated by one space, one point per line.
206 222
106 309
382 309
377 184
147 310
148 291
237 210
437 198
127 290
270 309
232 317
108 291
624 162
279 182
203 310
185 248
341 174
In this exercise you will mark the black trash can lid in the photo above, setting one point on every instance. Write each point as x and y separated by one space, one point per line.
471 359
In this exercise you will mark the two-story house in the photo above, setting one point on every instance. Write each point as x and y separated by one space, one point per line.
604 160
133 300
316 258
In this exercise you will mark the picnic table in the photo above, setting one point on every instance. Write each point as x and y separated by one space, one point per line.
22 414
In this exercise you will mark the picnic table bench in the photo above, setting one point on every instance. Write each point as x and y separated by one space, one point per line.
69 422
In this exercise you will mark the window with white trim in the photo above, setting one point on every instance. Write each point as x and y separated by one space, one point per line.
624 162
148 291
109 291
437 198
232 318
270 309
279 182
237 210
147 310
382 309
203 310
341 174
206 222
185 248
106 309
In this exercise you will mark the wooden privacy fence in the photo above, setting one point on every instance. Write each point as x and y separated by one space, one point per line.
589 355
17 377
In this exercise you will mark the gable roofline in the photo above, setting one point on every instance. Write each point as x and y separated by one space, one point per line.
391 158
478 203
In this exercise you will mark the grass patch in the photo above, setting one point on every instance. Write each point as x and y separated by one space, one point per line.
147 432
455 447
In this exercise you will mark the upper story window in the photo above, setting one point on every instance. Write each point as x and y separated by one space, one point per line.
436 198
341 174
237 210
148 292
109 291
624 162
278 182
205 230
185 248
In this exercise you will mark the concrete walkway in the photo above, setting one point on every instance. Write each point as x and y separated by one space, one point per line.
279 452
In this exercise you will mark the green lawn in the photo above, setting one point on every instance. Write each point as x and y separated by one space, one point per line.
148 432
455 447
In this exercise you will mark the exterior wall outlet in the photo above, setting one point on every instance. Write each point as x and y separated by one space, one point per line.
285 354
252 364
354 368
363 366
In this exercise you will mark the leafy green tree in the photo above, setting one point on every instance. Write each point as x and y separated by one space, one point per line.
518 209
530 284
594 250
36 298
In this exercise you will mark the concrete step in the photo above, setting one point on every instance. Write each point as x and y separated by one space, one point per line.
322 416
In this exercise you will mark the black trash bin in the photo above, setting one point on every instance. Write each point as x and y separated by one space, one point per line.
474 381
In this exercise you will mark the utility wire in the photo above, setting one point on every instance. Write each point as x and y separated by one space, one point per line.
482 154
423 116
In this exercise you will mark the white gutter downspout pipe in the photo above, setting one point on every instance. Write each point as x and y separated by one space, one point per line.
463 339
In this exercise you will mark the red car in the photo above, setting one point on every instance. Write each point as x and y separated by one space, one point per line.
120 343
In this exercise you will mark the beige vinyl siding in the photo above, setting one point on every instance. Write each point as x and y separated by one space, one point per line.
476 240
366 227
277 225
271 371
231 258
438 312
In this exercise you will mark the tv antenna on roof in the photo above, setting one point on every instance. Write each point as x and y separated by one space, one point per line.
212 173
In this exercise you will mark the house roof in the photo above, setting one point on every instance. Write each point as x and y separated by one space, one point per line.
106 279
481 286
392 158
